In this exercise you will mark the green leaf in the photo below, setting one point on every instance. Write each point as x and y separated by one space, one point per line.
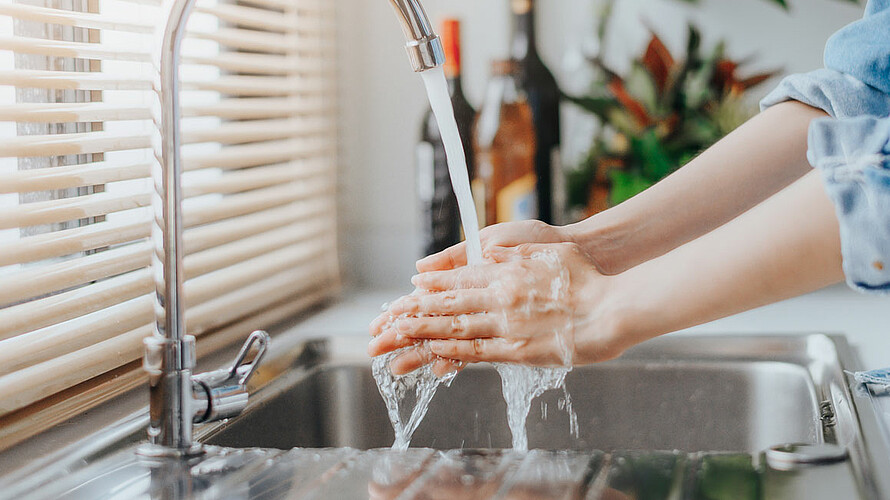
598 106
655 161
626 185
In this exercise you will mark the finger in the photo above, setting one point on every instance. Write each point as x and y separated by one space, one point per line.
450 302
408 361
414 359
450 258
516 233
493 350
379 323
443 367
464 326
464 277
388 341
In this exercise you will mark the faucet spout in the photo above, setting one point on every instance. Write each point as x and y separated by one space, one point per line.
424 48
179 398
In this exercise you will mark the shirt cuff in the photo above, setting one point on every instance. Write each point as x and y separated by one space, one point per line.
853 157
838 94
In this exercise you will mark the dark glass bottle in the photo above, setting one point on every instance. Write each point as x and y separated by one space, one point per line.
440 217
543 95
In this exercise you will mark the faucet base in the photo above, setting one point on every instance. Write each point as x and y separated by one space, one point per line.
156 451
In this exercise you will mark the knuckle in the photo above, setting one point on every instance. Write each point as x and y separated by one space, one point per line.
459 325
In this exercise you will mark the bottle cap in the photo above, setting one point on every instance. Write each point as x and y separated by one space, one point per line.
451 41
521 6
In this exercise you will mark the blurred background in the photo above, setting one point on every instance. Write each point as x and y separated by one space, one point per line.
384 103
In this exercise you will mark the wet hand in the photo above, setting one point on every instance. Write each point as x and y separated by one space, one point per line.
509 234
535 304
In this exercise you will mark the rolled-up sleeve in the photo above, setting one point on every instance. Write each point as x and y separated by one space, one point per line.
852 152
853 156
838 94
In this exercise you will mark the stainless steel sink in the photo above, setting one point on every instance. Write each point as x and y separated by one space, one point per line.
695 394
703 417
689 394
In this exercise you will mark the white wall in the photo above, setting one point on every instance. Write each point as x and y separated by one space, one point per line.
382 100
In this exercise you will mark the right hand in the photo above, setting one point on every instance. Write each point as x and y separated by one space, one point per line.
509 234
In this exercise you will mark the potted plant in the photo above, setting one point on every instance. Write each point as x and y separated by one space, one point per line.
657 117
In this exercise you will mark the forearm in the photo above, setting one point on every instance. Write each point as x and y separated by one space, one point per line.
751 164
787 246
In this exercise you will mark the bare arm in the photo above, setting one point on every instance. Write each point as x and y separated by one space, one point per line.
763 156
787 246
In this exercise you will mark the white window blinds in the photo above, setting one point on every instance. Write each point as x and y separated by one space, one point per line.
259 104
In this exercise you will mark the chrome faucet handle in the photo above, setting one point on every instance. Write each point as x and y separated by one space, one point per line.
222 394
238 366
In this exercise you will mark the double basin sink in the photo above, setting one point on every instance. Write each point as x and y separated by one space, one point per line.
678 417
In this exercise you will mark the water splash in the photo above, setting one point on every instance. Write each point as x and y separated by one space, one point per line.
408 396
521 385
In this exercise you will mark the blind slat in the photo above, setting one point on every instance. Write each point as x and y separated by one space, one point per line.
75 19
72 80
56 48
104 142
249 86
81 207
71 112
86 174
241 109
261 41
248 17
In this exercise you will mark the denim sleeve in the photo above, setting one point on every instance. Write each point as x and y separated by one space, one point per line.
853 156
838 94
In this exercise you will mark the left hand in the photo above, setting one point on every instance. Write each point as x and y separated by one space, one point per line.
531 306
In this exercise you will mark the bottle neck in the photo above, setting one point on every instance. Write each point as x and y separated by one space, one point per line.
455 86
524 40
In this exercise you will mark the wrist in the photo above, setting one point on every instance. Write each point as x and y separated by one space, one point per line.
602 333
605 240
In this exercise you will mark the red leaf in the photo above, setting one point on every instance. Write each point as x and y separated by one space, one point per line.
634 107
724 74
658 61
756 80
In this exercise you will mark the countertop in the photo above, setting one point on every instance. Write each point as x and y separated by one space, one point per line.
864 319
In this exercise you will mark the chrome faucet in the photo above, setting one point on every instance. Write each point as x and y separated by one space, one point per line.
179 399
424 48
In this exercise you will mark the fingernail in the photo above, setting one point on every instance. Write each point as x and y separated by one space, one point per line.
372 346
436 345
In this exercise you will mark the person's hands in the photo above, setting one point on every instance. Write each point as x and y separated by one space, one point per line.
537 304
509 234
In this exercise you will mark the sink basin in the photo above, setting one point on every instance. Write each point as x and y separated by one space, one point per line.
705 417
688 394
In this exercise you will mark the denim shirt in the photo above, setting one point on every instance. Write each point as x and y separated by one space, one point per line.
852 148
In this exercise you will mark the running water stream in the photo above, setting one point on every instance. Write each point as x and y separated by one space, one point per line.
407 397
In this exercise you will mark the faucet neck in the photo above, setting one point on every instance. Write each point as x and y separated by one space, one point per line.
424 47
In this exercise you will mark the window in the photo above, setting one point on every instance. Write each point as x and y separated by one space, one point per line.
76 100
